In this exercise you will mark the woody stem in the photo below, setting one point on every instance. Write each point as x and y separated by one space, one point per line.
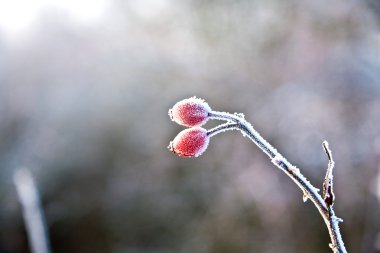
237 122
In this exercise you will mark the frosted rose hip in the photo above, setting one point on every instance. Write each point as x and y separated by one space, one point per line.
190 112
191 142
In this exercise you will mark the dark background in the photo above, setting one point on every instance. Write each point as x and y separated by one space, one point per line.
84 101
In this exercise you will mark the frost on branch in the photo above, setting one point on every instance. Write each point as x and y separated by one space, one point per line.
328 193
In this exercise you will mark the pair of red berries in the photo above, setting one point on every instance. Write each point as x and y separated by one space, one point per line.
192 112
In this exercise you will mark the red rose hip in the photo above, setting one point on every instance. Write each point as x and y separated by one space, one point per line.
190 112
191 142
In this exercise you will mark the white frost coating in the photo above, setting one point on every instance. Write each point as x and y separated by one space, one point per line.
222 128
223 116
247 130
240 115
337 242
337 219
294 170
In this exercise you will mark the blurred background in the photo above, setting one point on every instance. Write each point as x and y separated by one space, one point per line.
85 87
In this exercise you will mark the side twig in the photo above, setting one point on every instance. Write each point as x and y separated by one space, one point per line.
328 194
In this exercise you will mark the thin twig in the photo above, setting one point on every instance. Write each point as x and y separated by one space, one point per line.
222 128
32 211
328 192
324 205
329 197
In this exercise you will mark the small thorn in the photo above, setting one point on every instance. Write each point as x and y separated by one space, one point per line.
337 219
305 197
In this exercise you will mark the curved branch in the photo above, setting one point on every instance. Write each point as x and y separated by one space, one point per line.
324 205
